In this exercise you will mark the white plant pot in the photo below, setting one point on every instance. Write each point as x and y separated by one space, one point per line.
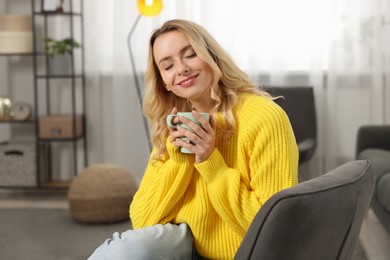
60 65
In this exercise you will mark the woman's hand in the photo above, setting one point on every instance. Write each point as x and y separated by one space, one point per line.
201 142
173 133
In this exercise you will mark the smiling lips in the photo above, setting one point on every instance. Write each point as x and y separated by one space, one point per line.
187 82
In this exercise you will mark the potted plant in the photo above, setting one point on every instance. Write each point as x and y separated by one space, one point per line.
59 53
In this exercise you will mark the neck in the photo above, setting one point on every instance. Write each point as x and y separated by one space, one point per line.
203 106
204 103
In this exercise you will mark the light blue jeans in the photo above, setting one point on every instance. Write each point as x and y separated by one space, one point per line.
157 242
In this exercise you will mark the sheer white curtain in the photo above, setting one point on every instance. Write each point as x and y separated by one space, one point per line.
358 85
339 47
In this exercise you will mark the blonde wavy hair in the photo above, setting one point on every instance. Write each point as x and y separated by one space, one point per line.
227 82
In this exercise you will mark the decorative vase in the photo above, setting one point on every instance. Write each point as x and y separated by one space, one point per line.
5 108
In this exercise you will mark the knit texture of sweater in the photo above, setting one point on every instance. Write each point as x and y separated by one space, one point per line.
219 197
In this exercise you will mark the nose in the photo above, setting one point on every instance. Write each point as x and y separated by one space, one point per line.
182 68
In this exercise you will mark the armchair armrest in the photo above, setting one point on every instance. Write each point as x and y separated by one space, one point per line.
373 136
306 149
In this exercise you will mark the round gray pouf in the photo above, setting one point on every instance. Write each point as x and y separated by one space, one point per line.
101 193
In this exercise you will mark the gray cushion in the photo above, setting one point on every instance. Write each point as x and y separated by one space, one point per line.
376 153
380 203
381 161
373 142
383 191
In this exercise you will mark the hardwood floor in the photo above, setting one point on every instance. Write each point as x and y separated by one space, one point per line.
375 240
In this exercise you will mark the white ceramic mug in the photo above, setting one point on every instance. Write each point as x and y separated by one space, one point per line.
188 115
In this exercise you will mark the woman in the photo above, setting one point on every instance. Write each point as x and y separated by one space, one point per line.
243 155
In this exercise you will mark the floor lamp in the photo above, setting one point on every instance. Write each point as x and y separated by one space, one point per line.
145 8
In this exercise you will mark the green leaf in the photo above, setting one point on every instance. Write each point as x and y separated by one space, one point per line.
59 47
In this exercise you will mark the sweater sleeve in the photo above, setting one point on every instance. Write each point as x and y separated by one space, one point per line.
271 157
162 186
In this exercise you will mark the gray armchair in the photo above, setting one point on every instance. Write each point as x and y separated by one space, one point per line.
299 104
317 219
373 142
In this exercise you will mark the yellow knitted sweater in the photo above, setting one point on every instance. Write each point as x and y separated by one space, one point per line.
219 197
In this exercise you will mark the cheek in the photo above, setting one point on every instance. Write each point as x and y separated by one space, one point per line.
168 78
209 73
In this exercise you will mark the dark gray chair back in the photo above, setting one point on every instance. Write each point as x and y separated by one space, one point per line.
299 104
373 136
317 219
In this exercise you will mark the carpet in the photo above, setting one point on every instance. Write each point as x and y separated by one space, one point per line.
51 234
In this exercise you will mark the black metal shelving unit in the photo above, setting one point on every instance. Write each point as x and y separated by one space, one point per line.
75 80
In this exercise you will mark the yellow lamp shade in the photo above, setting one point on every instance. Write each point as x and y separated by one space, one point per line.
150 7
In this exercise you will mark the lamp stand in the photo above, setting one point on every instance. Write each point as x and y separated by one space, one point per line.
137 84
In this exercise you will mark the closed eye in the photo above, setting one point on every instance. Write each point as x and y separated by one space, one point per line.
168 67
192 55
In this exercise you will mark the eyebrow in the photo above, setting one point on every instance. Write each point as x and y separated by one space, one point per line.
184 49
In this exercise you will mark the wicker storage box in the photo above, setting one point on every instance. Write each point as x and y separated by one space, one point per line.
18 165
15 22
60 126
15 42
